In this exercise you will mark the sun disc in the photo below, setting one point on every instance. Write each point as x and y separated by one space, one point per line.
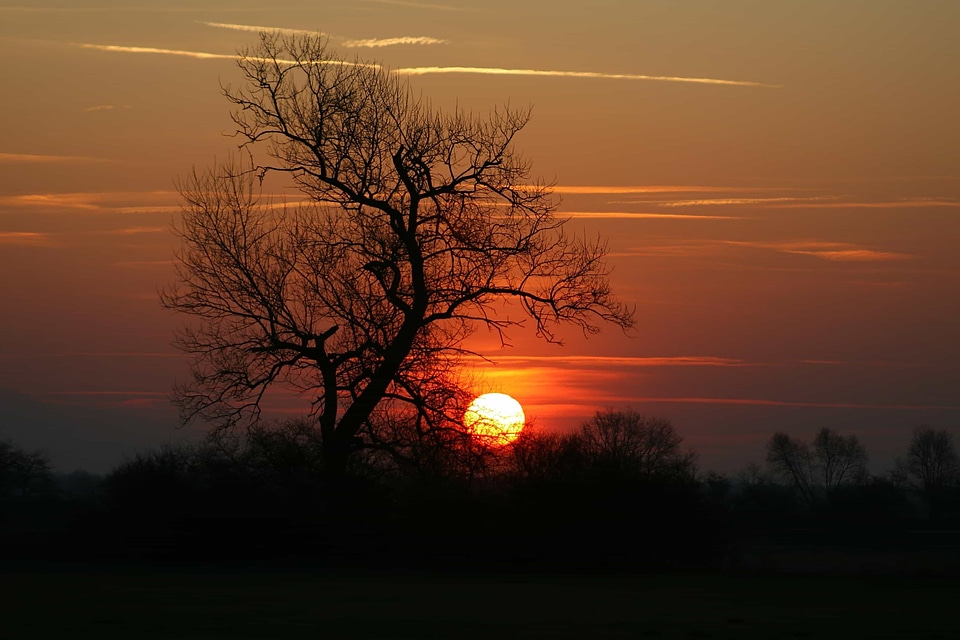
495 417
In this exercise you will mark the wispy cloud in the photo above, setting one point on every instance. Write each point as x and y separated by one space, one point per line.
41 159
254 28
498 71
896 204
107 107
200 55
647 188
627 215
421 5
417 71
620 361
28 238
389 42
112 202
739 201
350 43
789 403
833 251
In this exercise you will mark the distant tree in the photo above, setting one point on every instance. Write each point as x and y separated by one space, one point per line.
627 441
932 461
932 466
23 474
419 225
838 459
791 459
832 461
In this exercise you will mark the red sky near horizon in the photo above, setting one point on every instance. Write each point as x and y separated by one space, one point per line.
779 184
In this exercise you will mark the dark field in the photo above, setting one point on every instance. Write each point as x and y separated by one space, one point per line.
191 603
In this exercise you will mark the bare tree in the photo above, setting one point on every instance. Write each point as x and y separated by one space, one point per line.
838 459
420 224
791 459
23 474
932 462
629 441
832 461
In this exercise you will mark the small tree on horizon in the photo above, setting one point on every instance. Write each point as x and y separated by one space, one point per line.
418 226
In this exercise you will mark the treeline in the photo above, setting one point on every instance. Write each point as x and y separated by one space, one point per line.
621 492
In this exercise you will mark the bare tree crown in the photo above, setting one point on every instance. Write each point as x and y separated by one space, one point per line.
418 224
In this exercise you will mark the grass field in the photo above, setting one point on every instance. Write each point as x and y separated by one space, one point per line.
187 603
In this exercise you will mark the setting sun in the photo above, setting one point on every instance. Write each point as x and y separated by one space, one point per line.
495 417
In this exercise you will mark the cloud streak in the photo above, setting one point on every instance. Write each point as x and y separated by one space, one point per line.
499 71
419 71
349 43
626 215
389 42
789 403
647 188
24 238
30 158
832 251
622 361
253 28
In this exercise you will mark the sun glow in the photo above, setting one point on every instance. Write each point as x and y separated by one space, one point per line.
495 417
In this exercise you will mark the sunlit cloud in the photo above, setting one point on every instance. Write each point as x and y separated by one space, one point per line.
107 107
497 71
27 238
788 403
389 42
833 251
629 189
350 43
131 231
622 361
108 202
253 28
417 71
43 159
739 201
897 204
200 55
421 5
627 215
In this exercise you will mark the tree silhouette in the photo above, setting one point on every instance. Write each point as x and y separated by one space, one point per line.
932 466
832 461
420 227
626 441
23 474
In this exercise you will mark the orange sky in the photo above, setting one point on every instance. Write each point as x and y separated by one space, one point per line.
779 182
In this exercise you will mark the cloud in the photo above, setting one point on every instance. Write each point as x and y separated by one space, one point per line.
646 188
389 42
417 71
107 107
25 238
350 43
41 159
200 55
253 28
789 403
898 204
621 361
106 202
739 201
626 215
421 5
833 251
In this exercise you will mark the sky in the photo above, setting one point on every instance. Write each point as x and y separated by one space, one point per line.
779 183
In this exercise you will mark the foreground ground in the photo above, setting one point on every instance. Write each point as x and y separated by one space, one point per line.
190 603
